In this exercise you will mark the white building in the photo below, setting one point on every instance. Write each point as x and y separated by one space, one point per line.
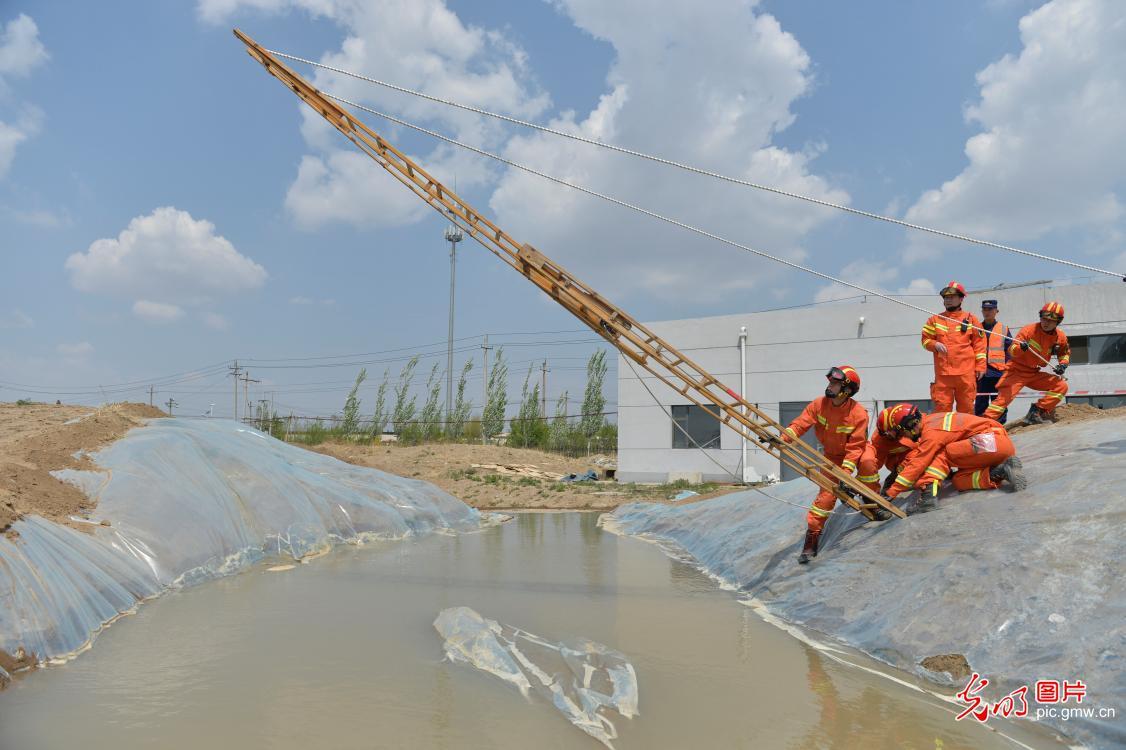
789 351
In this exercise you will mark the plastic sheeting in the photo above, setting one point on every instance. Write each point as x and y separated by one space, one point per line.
189 500
1028 586
583 680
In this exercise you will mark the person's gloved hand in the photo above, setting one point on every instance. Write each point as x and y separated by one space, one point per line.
770 440
1024 345
1059 369
889 482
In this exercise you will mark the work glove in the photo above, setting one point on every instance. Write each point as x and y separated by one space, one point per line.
889 482
1055 348
1059 369
1024 345
770 440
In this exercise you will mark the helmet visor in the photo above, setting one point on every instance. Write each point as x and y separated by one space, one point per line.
836 373
1049 315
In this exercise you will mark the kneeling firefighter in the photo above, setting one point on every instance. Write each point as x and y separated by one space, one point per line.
841 426
977 447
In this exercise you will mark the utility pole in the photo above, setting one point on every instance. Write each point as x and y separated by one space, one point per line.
543 393
170 403
485 401
453 236
264 414
150 395
235 371
246 381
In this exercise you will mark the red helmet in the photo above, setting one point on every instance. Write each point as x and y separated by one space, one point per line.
847 375
953 288
1052 311
894 419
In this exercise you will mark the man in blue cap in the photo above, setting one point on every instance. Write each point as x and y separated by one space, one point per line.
998 339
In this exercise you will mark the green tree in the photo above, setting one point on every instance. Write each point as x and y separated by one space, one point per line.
594 403
462 405
492 419
380 416
431 416
351 422
560 427
403 413
528 429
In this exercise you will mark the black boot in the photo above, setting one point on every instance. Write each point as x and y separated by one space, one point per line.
1010 471
810 549
1034 416
880 514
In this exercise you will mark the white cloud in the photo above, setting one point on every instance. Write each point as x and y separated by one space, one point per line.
80 350
36 217
301 301
157 312
16 319
164 260
215 321
420 44
1050 153
21 51
709 89
872 275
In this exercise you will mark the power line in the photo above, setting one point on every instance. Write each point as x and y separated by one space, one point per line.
699 170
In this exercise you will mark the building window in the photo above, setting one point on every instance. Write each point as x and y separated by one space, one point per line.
1098 350
702 428
788 411
1099 402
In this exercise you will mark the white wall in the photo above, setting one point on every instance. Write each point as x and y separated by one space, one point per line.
789 351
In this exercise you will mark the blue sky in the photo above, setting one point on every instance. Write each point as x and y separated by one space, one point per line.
166 207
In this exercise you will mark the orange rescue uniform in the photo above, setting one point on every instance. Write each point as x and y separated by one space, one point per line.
955 373
842 431
887 453
955 441
1024 369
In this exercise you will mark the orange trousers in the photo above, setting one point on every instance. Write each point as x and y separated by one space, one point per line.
973 458
950 388
1011 383
866 471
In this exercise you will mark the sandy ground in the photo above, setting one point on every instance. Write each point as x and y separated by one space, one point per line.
35 439
1069 413
449 465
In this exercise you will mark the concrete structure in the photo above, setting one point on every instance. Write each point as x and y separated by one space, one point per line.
789 351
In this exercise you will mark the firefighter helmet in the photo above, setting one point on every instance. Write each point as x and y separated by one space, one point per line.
894 419
847 376
953 288
1052 311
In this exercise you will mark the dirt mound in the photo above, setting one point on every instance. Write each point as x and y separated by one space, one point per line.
1071 413
39 438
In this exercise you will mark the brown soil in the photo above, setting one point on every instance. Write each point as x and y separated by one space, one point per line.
1070 413
954 665
449 466
34 440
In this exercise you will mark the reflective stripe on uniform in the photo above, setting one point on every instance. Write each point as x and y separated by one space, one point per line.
976 477
846 464
994 407
900 449
822 420
928 329
936 473
819 511
903 481
869 477
846 429
1053 394
941 327
979 356
948 421
1036 345
791 432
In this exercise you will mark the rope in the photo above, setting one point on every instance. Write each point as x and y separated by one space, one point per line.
646 212
704 172
709 456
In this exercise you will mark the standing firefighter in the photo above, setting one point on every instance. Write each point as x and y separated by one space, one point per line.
1033 348
841 426
998 339
977 447
955 339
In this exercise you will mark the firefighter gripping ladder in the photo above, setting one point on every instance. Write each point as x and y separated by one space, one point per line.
628 335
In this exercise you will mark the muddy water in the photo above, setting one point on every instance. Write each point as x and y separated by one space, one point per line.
341 653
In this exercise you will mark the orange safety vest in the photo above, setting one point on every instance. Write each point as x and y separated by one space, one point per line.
995 346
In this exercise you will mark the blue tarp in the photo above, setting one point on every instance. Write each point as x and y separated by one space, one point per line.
186 501
1028 586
